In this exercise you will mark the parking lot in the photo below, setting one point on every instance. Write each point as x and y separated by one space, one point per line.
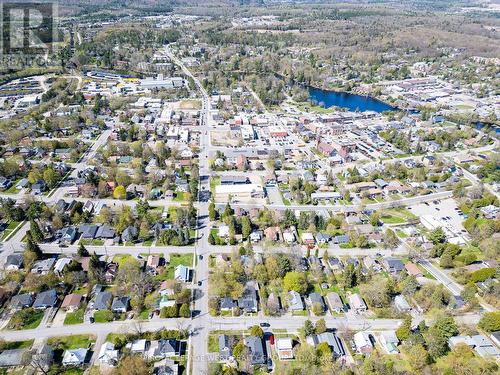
445 214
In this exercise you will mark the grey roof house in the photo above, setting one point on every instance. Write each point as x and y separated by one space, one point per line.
295 301
224 347
254 345
45 299
21 300
120 304
102 300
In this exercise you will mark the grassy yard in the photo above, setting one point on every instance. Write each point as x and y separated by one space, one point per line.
26 319
18 345
74 317
121 259
179 196
177 259
71 342
213 343
11 229
103 316
214 181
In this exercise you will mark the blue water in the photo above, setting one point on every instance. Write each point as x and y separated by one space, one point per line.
352 102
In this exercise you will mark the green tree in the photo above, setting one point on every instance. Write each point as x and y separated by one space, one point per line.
256 331
296 281
404 330
490 321
437 236
120 192
246 227
35 231
184 311
391 240
51 177
212 213
309 328
82 251
320 326
417 357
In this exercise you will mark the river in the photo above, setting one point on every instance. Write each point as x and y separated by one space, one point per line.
353 102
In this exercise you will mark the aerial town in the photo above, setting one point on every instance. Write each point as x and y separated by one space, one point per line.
245 187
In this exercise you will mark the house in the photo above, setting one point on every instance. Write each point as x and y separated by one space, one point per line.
108 354
39 187
272 233
363 342
307 238
71 302
341 239
225 351
13 262
389 341
289 237
223 231
102 301
182 273
166 367
138 346
335 264
254 345
335 302
120 304
152 263
105 231
45 299
75 357
21 301
42 267
167 348
167 287
331 339
227 304
130 234
60 264
315 299
88 231
284 347
88 206
111 271
393 265
295 301
66 235
401 304
483 346
413 270
356 303
248 301
323 238
256 236
372 264
273 303
13 357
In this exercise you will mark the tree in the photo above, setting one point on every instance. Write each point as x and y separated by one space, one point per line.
437 236
391 240
82 251
35 231
296 281
404 330
375 219
418 357
246 227
120 192
490 321
309 328
184 311
320 326
50 176
32 246
132 365
256 331
212 213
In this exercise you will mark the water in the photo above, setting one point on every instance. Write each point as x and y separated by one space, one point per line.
352 102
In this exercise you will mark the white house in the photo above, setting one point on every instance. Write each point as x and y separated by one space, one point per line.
389 342
108 354
74 357
284 347
363 342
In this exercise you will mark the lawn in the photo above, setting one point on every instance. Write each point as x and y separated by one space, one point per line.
121 259
213 343
175 260
172 213
389 219
103 316
71 342
144 315
179 196
74 317
18 345
10 229
214 181
26 319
